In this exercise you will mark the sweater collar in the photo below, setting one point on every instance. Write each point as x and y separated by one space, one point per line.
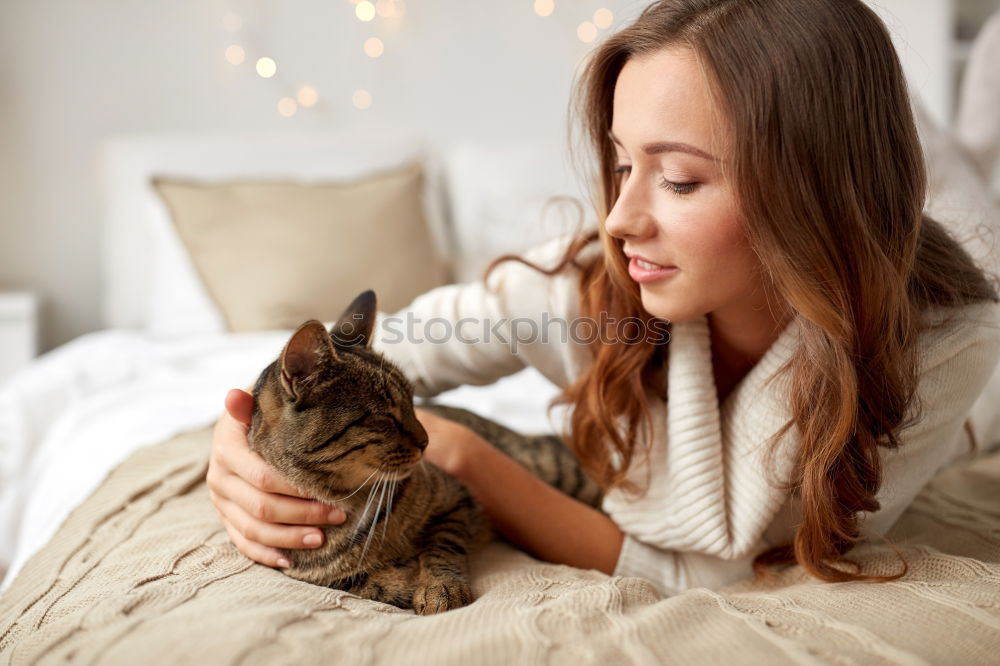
711 491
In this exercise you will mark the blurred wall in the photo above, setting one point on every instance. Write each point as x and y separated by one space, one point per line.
73 72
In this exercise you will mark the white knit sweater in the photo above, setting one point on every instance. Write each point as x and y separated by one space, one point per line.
711 506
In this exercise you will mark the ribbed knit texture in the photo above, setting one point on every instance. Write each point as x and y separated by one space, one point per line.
712 505
143 573
693 471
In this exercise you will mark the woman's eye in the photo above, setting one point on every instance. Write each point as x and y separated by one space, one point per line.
678 188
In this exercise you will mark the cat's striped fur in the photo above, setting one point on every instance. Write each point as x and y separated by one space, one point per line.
336 419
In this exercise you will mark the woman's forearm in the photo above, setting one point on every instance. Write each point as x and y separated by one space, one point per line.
547 523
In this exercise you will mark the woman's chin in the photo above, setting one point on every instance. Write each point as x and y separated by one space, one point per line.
659 305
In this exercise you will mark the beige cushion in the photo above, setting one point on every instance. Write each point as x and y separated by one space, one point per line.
273 254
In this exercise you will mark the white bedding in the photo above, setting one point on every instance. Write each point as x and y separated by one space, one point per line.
74 414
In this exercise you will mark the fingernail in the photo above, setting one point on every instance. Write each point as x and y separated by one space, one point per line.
284 563
336 516
312 539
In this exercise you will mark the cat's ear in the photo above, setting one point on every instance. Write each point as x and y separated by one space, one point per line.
355 325
306 355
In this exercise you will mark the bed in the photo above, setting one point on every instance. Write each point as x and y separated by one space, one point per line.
115 554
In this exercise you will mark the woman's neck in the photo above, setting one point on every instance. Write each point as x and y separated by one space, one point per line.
739 341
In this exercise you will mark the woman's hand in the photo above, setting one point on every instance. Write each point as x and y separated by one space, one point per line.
260 510
450 446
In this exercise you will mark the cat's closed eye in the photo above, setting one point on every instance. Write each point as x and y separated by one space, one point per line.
339 433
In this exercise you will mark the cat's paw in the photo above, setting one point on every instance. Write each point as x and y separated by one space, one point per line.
437 596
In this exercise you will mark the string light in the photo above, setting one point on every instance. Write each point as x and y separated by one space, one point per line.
307 96
361 99
235 55
266 67
544 7
385 8
364 10
603 18
287 107
586 31
374 47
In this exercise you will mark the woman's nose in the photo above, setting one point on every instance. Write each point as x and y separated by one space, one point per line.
630 217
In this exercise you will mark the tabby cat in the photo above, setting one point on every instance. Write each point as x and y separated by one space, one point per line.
336 418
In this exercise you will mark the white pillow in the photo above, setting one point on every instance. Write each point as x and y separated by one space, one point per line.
958 196
498 196
178 303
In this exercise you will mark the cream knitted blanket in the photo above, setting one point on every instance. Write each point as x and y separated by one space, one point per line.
143 573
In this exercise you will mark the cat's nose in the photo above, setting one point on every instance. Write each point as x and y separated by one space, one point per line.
418 434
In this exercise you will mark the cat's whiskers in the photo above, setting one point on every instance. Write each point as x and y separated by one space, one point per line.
384 483
388 510
368 503
339 499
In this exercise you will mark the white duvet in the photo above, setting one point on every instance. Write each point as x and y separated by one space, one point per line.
75 413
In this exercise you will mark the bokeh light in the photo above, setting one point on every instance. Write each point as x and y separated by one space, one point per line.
307 96
586 31
603 18
364 10
374 47
287 107
266 67
362 99
235 55
544 7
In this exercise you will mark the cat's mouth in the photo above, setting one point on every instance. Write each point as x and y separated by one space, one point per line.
399 469
395 475
402 469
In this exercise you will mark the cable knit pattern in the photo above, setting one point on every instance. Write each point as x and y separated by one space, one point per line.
143 573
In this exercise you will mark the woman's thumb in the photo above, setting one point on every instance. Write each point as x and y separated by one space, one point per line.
239 404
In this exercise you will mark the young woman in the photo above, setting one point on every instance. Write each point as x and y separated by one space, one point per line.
760 186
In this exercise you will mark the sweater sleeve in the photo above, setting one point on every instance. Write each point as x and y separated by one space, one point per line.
478 332
956 371
674 571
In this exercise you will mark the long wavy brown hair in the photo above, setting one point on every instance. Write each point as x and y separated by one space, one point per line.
827 168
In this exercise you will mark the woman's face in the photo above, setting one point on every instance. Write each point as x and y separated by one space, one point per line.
674 208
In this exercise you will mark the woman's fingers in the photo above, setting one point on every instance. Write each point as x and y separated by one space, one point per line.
233 454
239 404
249 466
274 508
259 508
255 551
265 534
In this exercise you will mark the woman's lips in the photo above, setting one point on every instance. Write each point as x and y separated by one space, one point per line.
645 271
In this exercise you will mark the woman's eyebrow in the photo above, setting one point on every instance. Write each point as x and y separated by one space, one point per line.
668 146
